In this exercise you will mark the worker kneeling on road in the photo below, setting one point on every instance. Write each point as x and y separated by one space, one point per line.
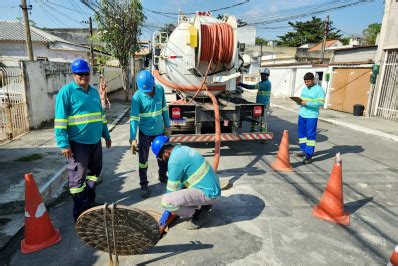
192 185
150 114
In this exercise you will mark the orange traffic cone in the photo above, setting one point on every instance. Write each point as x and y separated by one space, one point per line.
394 257
282 162
39 231
331 207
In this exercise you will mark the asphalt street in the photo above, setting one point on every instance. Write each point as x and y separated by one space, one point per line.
265 218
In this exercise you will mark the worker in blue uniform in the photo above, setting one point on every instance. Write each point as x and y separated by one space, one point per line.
263 95
192 185
149 113
79 125
313 97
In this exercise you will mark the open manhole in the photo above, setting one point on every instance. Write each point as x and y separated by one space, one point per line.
133 231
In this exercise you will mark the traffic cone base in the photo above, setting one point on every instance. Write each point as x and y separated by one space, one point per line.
282 161
394 257
26 248
318 212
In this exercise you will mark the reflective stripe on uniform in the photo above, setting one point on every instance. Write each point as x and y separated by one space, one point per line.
302 140
92 178
60 123
169 207
143 165
310 142
266 93
257 86
151 114
173 185
321 100
134 118
85 119
164 109
75 190
198 175
104 119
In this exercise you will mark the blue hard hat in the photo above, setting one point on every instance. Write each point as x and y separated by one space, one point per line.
80 66
145 81
158 143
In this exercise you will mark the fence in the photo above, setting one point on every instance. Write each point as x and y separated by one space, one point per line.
13 114
387 106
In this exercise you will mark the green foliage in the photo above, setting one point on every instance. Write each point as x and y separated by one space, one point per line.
310 31
261 41
370 33
345 40
119 23
168 27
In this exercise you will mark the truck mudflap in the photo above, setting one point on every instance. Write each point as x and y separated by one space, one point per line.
224 137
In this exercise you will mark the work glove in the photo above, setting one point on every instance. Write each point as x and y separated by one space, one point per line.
167 131
134 146
165 216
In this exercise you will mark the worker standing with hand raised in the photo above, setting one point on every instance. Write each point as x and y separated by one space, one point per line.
79 125
149 113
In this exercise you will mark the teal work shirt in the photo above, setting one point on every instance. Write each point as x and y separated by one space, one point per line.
79 116
264 91
187 168
315 97
149 114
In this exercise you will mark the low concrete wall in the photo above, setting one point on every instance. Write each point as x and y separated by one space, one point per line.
43 80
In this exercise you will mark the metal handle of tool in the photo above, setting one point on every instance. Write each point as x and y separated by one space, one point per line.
113 211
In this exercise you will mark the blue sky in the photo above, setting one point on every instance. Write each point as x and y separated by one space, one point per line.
69 13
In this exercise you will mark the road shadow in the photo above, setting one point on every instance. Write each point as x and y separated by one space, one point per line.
353 206
235 208
173 250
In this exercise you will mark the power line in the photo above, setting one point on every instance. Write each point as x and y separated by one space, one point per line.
193 13
59 12
51 17
67 8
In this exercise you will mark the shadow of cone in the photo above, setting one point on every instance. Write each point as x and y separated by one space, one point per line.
39 231
394 257
282 161
331 206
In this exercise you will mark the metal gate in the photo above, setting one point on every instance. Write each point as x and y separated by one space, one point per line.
387 104
13 113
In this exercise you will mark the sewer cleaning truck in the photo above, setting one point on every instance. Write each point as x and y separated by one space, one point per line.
199 64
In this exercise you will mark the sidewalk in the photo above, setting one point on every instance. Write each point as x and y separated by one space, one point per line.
370 125
35 152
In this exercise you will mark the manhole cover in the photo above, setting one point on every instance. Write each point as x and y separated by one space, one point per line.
135 230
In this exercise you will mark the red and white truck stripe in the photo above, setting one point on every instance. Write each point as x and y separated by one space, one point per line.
224 137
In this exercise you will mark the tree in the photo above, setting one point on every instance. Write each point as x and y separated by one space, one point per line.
310 31
119 23
261 41
168 27
370 33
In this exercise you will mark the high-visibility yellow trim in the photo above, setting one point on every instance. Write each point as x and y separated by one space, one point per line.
85 122
143 165
85 115
75 190
165 109
60 127
302 140
310 142
60 120
170 207
134 118
151 114
92 178
198 175
173 185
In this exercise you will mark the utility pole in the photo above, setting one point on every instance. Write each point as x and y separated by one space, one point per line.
27 28
91 43
325 34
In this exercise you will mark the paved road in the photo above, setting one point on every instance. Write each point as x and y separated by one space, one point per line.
265 218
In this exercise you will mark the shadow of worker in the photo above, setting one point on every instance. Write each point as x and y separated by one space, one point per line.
235 208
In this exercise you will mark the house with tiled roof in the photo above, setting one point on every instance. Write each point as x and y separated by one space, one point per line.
45 46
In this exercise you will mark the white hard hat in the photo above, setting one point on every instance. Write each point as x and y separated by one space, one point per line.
265 71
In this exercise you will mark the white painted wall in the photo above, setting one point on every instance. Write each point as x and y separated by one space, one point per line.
111 72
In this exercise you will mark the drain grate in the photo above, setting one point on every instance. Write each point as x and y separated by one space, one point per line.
135 230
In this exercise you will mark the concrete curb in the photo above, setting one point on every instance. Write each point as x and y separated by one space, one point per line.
350 126
117 120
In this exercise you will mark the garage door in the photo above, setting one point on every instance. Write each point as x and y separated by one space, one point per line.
350 86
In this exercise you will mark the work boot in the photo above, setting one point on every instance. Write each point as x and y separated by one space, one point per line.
198 219
163 179
308 161
144 192
300 154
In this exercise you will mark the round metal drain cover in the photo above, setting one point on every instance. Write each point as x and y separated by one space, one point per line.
135 230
